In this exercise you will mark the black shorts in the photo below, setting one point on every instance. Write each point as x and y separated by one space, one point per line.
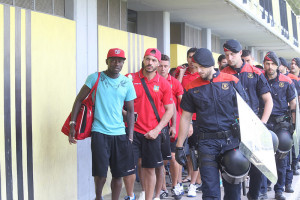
173 146
148 150
114 151
165 147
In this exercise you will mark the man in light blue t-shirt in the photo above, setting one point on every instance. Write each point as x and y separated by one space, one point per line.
110 145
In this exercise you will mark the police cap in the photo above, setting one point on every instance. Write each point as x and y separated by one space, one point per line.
232 45
284 63
204 57
297 60
271 56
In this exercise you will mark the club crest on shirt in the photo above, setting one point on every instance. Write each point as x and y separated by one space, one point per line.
281 84
156 88
250 75
225 86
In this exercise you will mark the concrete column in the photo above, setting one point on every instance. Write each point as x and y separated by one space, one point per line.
155 24
206 38
222 42
85 16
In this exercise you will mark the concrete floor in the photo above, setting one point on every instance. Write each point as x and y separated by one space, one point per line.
271 194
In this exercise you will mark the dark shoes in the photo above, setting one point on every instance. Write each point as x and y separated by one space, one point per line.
279 196
263 196
289 189
249 197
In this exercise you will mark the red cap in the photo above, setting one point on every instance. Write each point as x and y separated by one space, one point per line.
116 53
157 53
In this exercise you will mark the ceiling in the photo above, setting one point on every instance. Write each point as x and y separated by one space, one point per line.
225 18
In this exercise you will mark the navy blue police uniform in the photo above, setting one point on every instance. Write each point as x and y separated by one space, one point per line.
255 84
214 103
282 91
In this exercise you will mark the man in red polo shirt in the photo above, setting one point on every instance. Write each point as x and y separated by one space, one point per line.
177 91
186 74
147 129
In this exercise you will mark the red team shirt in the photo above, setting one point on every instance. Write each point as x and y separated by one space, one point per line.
177 90
161 93
186 79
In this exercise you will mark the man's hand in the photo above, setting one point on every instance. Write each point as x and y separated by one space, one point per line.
172 131
180 156
191 130
182 70
72 139
152 135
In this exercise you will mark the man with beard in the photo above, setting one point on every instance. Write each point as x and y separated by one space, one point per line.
295 67
212 97
256 86
109 143
283 94
147 136
222 62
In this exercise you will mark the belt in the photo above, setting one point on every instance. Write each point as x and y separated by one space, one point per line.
278 119
215 135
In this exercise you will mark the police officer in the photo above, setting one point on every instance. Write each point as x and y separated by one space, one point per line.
291 169
212 97
283 94
256 86
295 67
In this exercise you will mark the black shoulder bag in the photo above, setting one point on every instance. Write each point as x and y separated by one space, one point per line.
165 130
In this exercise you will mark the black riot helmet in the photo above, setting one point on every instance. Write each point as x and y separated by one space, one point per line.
274 140
235 166
285 143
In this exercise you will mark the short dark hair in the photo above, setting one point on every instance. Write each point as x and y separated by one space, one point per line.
259 66
165 57
191 50
221 57
246 52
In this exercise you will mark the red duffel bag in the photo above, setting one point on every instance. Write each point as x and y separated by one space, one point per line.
85 116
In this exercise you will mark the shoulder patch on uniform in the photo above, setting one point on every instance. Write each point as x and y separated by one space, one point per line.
196 91
225 86
281 84
250 75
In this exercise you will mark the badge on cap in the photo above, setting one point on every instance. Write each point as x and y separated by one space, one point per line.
117 51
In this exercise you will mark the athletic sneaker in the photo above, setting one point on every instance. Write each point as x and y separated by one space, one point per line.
180 188
176 193
142 196
163 194
199 187
192 190
156 198
130 198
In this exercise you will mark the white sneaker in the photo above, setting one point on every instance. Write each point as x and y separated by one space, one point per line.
142 196
179 187
156 198
192 191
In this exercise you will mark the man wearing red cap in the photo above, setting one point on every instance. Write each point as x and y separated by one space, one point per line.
109 143
256 86
147 129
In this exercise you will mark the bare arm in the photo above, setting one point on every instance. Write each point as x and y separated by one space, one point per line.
181 73
85 90
163 122
267 98
293 107
184 126
130 118
173 127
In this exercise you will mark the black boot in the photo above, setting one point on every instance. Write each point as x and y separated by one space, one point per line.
279 196
295 172
289 189
249 197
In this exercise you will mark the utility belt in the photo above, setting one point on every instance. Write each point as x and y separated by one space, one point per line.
215 135
278 119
